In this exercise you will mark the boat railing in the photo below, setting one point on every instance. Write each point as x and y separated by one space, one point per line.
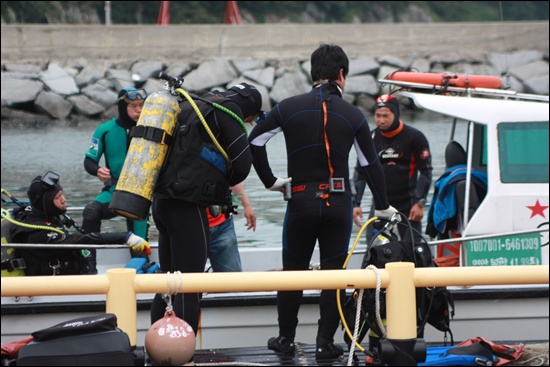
487 92
432 243
400 280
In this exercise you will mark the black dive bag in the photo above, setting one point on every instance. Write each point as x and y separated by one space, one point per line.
87 341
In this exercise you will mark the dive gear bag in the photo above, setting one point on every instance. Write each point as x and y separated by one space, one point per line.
434 305
87 341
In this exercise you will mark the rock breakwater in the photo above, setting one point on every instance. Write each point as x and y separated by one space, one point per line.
82 89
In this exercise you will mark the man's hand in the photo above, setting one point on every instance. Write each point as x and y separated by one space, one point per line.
357 214
104 174
138 244
416 213
387 213
250 218
280 183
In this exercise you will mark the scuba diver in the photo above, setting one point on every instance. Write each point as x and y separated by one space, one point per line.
45 222
112 139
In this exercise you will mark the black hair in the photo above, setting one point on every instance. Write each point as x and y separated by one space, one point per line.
326 62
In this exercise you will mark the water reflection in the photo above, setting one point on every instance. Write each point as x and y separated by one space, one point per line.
29 152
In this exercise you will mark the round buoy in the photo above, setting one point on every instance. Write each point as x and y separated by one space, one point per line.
170 341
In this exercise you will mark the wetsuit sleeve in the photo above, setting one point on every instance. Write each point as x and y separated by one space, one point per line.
424 163
95 151
359 183
236 143
370 167
45 236
258 139
374 176
91 166
102 238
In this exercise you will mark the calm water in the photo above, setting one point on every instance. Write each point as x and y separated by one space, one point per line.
27 153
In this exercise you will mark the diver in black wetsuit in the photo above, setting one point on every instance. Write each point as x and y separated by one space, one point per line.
320 128
405 155
45 222
196 175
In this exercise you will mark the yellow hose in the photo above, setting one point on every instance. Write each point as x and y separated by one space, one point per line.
33 226
338 300
203 121
6 216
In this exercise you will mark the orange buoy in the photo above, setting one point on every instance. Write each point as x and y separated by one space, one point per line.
170 341
447 79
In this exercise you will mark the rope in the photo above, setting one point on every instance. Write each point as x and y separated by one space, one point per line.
377 300
172 289
356 329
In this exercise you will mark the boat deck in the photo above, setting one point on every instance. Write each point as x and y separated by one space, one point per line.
534 354
304 356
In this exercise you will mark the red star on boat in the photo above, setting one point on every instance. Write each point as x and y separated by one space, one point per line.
538 210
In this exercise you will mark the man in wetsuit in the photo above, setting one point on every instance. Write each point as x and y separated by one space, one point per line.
195 175
319 128
43 222
112 140
405 155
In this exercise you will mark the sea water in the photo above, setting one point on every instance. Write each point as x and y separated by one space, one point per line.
28 152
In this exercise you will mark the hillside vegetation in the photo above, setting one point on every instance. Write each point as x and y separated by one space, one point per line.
212 12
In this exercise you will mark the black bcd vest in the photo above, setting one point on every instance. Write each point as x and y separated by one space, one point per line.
194 169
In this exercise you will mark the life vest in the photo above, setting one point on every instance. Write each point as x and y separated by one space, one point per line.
195 171
45 261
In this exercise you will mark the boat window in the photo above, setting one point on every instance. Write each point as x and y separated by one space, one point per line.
523 151
479 161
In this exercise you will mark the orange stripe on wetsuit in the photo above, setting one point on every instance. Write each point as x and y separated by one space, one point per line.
327 146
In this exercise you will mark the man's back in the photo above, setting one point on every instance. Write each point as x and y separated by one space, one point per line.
311 133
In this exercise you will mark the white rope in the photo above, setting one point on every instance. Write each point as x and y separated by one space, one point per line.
172 289
377 300
356 329
358 313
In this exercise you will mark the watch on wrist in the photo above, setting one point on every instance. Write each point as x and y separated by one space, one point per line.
421 202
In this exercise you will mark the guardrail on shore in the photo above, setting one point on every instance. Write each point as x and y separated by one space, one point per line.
400 280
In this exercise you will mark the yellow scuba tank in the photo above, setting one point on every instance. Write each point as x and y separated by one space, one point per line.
150 142
12 264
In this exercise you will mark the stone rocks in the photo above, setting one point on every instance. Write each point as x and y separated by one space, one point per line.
87 89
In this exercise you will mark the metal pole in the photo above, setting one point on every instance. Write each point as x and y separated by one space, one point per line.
108 13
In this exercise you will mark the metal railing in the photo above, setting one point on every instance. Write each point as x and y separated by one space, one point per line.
400 280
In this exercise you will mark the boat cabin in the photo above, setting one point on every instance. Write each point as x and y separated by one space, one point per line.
507 142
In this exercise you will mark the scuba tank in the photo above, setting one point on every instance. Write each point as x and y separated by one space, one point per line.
151 139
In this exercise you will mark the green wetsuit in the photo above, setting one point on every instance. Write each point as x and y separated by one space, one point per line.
107 140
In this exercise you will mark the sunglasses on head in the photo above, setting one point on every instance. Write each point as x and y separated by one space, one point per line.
134 95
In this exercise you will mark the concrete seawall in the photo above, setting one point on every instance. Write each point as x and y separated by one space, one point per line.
196 43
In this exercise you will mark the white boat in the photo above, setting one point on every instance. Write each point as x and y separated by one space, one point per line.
506 136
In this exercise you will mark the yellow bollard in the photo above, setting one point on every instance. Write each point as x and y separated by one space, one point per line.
121 300
401 301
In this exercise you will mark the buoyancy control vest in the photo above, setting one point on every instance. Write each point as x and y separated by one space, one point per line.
195 171
45 261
